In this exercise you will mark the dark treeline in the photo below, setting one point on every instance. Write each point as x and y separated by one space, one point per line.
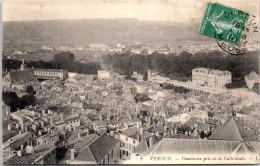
180 66
11 99
64 60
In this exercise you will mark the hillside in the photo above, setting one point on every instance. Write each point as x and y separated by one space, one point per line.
28 34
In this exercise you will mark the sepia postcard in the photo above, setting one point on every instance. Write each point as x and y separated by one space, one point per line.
130 82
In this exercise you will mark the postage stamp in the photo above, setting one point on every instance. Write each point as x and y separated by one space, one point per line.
223 23
251 29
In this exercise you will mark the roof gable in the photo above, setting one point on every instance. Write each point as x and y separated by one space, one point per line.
231 130
102 146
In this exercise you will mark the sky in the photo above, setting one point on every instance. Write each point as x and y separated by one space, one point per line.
174 10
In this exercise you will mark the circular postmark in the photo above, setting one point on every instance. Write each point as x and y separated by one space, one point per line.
246 41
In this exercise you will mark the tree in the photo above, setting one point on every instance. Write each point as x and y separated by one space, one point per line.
29 89
26 100
11 99
64 60
256 88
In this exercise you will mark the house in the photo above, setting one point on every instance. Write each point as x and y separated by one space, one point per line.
211 78
195 148
14 77
50 73
69 123
233 130
103 150
102 74
130 139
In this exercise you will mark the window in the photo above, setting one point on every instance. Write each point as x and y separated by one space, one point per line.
126 153
123 152
134 141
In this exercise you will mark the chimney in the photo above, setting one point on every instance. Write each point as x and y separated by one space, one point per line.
130 117
165 128
172 132
100 117
108 117
42 124
72 154
22 127
19 153
189 132
34 127
138 137
43 111
51 120
78 135
150 142
141 130
61 116
9 126
157 133
112 134
17 125
20 132
175 130
25 128
40 133
186 133
145 118
117 118
21 147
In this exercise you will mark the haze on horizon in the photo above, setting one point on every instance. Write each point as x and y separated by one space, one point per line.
174 10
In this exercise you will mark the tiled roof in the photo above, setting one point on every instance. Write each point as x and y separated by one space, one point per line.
17 76
83 141
98 149
232 130
142 146
49 70
171 146
85 155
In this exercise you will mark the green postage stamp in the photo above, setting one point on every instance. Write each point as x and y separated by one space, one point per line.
223 23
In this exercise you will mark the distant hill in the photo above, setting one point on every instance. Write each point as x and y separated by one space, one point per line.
28 34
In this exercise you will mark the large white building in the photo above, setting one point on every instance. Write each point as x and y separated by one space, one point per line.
103 74
211 78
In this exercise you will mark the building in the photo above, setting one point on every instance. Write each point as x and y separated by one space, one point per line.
70 123
99 47
50 73
23 66
229 139
130 139
211 78
102 74
103 150
251 79
14 77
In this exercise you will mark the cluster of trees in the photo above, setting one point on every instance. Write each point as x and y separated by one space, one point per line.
179 66
11 99
63 60
141 97
180 90
10 64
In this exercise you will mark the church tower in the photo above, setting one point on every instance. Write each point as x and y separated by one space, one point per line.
23 66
